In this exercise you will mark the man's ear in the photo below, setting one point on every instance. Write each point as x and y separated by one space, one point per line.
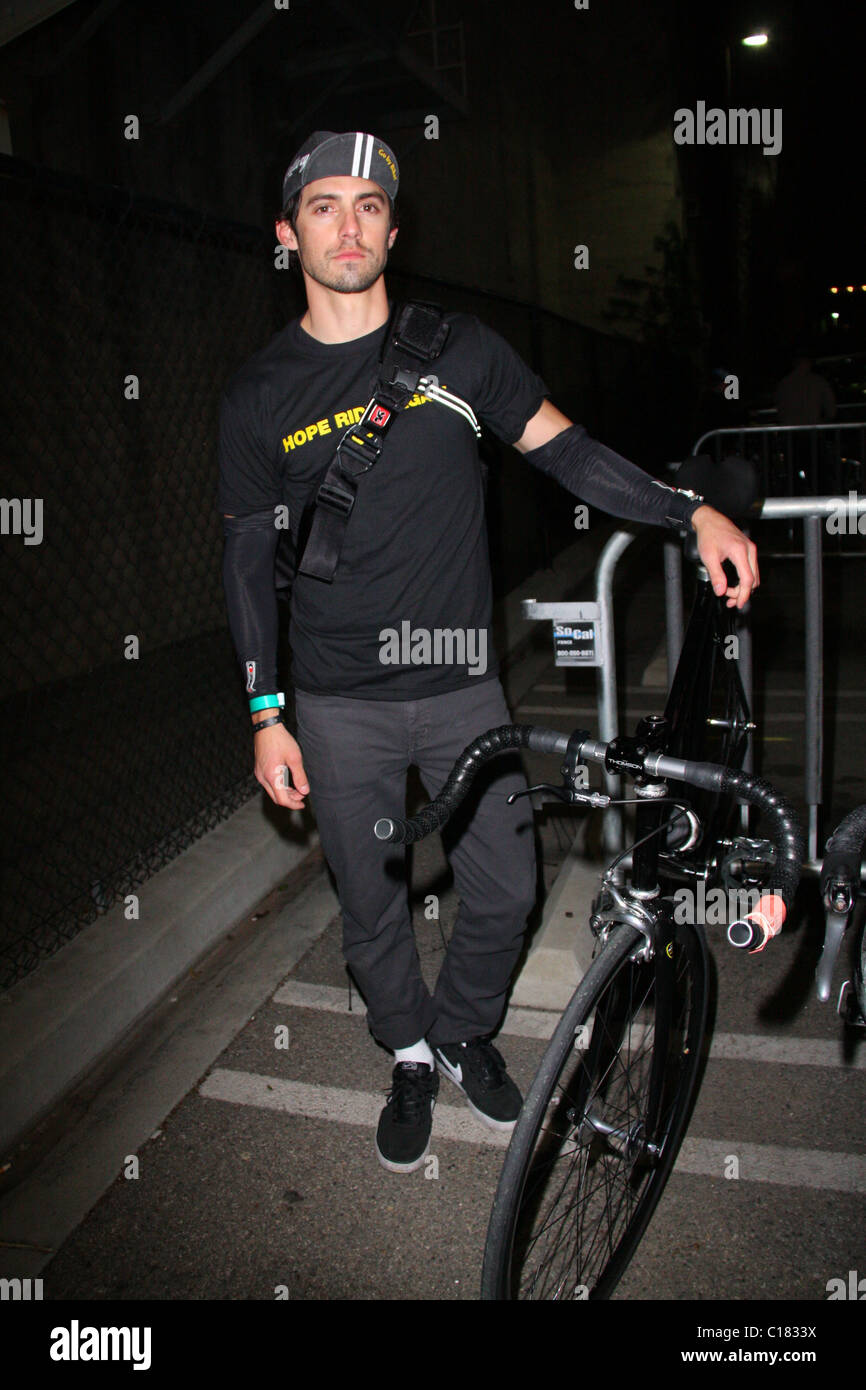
286 236
392 236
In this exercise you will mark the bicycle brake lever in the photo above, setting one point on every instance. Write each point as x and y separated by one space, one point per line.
565 794
834 930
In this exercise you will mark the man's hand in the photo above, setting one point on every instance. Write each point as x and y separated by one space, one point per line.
276 754
719 539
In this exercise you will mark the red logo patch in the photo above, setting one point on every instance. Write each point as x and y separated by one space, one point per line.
379 416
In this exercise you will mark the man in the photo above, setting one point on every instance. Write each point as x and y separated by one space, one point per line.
804 397
413 559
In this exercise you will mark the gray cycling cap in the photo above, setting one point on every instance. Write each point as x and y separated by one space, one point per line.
353 153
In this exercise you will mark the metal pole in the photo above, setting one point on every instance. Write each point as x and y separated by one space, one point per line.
775 507
608 715
743 625
814 596
673 603
744 633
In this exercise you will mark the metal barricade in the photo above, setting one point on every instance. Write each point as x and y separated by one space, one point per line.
796 460
813 512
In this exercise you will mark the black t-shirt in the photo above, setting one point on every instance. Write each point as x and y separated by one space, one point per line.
408 612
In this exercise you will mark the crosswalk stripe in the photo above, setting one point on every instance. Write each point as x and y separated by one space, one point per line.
523 1023
816 1168
540 1023
813 1168
334 1103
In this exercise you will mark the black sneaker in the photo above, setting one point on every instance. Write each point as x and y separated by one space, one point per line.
479 1070
403 1136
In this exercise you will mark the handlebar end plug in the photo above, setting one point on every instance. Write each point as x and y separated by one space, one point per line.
742 933
383 829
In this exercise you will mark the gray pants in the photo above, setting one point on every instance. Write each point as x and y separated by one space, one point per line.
356 754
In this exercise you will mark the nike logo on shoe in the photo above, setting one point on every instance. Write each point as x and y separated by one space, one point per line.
455 1071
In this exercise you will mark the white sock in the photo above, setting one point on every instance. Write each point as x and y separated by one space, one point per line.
418 1052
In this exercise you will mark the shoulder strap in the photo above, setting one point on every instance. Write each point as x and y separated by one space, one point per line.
416 335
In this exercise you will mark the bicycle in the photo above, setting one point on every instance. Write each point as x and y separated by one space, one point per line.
840 887
606 1113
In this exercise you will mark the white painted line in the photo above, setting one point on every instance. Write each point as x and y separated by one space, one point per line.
812 1168
539 1023
333 1103
530 1023
522 1023
331 998
794 1051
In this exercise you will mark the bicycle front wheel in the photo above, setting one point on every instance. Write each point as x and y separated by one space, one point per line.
602 1122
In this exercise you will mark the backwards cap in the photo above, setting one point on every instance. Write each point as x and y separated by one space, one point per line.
353 153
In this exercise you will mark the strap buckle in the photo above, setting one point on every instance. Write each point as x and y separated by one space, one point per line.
378 417
363 449
335 498
405 378
362 443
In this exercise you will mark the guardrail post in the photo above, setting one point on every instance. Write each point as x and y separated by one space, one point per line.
608 715
673 603
813 577
744 661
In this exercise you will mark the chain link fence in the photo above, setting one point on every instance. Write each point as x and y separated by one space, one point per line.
124 728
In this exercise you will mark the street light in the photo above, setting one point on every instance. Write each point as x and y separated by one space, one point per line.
759 39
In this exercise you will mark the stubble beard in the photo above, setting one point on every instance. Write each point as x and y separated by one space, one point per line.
345 277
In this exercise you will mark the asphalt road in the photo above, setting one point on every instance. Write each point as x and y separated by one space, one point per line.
263 1183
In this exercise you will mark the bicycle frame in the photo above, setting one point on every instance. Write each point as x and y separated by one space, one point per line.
700 728
641 905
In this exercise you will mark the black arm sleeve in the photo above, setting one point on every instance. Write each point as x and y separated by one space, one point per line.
606 480
248 580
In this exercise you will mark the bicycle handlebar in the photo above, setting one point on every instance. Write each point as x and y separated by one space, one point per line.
784 827
840 884
841 867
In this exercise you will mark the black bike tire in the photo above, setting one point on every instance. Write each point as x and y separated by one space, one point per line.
496 1282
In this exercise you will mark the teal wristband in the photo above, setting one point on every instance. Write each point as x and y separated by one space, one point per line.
267 702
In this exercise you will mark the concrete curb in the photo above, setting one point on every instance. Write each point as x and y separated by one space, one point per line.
61 1020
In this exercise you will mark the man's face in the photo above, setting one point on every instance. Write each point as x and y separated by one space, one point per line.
341 233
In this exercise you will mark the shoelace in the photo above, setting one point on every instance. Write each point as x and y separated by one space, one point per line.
410 1091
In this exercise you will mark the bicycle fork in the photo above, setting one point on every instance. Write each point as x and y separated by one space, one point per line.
653 970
